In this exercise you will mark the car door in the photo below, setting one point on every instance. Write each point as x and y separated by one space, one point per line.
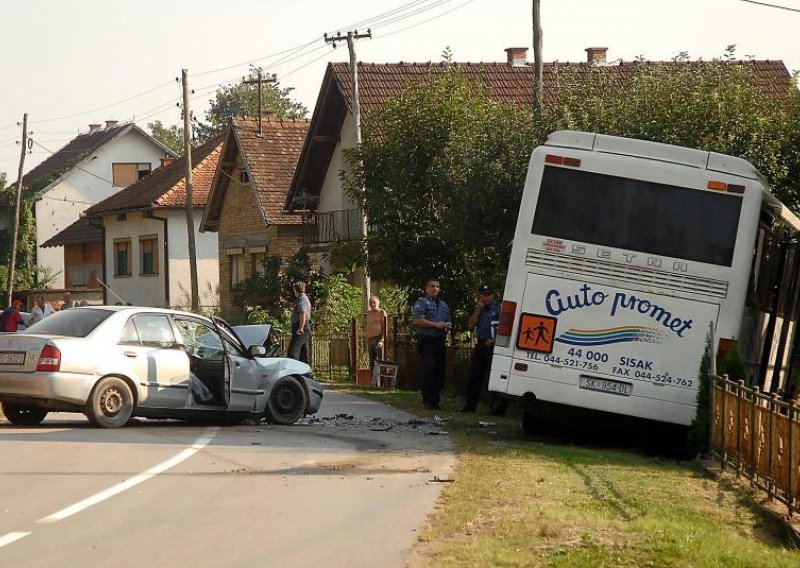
157 364
209 381
247 374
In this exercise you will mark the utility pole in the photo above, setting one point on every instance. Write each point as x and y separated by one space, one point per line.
350 38
260 82
538 87
13 262
189 208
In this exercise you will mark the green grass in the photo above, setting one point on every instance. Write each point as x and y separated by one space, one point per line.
520 501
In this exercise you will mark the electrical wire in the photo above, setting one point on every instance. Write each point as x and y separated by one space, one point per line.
428 20
768 5
77 167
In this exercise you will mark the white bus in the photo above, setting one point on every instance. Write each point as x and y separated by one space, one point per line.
626 255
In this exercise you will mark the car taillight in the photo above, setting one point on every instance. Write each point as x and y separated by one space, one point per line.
508 312
49 359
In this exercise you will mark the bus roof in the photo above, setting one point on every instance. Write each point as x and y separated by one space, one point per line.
653 151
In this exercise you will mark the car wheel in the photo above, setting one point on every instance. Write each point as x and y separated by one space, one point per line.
286 403
21 415
110 404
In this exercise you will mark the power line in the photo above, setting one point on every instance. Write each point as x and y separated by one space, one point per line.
77 167
432 18
104 106
768 5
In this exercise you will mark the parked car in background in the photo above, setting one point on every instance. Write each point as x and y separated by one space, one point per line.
115 362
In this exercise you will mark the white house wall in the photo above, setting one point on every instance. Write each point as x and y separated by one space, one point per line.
148 290
332 196
61 205
206 245
137 289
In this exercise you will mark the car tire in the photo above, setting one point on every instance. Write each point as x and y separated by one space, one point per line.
111 403
22 415
286 402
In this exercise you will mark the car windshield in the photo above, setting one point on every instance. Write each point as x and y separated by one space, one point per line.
75 322
252 334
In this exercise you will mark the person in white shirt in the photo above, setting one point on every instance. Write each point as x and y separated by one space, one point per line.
40 311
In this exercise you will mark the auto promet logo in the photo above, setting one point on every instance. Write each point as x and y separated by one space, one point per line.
621 303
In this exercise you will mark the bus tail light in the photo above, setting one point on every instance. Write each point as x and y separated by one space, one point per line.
49 359
562 160
508 313
722 186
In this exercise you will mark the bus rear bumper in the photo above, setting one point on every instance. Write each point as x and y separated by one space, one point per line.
644 401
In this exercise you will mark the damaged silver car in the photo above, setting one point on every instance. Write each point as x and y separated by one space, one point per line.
116 362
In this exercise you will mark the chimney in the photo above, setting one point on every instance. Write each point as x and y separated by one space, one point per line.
167 160
94 128
596 55
111 123
517 56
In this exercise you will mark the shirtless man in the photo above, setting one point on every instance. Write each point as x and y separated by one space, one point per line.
375 330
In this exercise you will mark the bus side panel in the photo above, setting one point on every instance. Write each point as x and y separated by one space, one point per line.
606 348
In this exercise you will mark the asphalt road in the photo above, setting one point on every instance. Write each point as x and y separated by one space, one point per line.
350 487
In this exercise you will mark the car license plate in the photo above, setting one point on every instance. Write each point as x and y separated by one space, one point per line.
12 357
606 385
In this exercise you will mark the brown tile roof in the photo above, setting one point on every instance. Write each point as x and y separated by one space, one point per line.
76 150
165 188
80 232
506 83
270 159
513 84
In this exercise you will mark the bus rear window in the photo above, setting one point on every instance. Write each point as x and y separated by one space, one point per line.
653 218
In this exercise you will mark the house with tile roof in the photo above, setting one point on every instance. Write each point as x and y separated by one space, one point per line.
90 168
316 189
145 251
245 205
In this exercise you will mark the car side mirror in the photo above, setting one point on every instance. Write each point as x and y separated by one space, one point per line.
257 351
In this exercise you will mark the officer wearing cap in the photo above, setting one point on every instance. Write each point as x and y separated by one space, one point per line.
432 321
484 319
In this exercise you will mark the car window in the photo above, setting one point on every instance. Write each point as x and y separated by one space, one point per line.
198 339
78 322
130 335
154 330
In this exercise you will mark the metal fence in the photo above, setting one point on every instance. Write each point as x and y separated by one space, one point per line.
758 435
340 356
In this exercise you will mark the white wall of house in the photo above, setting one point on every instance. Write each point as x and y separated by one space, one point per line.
61 205
332 196
149 290
206 244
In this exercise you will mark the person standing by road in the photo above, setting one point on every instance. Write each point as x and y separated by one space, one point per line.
68 301
11 317
431 317
375 330
484 319
41 310
301 324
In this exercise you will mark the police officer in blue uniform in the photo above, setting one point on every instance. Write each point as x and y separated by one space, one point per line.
484 319
432 321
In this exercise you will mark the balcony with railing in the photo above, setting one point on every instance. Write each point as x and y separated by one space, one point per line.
325 227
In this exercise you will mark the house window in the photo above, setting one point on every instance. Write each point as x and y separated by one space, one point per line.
259 259
148 247
122 257
237 268
244 177
124 174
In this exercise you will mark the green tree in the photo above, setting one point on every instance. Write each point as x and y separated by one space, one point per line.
241 99
442 168
170 136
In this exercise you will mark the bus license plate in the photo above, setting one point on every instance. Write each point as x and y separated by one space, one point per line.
12 357
606 385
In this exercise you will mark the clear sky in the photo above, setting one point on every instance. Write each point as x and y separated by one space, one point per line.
69 63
